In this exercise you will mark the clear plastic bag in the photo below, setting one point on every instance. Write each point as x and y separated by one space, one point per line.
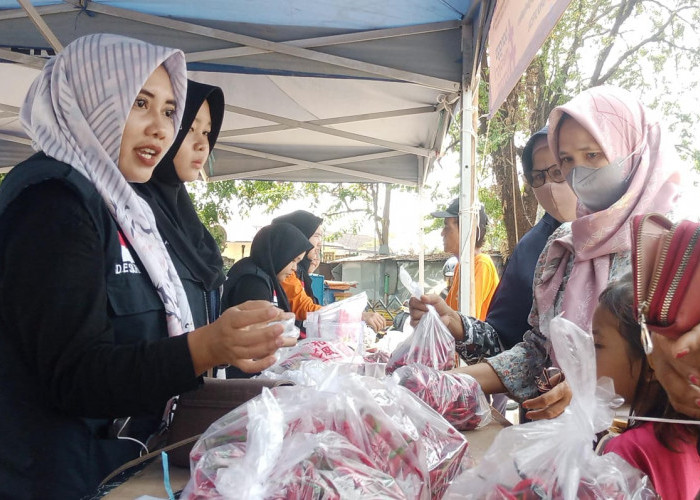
290 329
458 397
250 447
260 462
554 459
443 446
431 344
291 358
391 430
340 320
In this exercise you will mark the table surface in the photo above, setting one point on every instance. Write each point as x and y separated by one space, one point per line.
149 481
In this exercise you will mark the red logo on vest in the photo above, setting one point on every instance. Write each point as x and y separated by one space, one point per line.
128 264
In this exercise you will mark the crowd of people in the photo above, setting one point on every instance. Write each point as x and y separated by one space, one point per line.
113 298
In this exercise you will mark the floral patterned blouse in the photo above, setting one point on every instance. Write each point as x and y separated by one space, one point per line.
518 367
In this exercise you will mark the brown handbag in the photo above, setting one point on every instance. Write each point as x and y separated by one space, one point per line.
196 410
666 272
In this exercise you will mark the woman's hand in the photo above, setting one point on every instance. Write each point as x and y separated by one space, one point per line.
374 320
676 364
552 403
242 336
450 317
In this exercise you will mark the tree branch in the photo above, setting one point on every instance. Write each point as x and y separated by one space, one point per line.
623 13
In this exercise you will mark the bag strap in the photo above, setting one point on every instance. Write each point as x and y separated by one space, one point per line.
146 457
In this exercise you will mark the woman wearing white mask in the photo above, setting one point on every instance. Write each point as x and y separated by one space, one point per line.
606 132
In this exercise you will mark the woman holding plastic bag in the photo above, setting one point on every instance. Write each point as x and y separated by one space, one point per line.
619 163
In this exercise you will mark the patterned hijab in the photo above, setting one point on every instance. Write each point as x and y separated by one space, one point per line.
620 124
75 112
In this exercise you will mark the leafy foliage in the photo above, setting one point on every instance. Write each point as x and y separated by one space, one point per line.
354 202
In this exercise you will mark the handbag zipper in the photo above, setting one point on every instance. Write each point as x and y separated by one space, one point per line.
643 305
662 260
677 278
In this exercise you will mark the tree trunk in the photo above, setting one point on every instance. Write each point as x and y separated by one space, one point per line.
518 210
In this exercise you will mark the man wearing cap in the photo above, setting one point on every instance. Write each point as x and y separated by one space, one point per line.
485 273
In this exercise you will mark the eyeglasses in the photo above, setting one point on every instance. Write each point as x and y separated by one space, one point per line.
539 177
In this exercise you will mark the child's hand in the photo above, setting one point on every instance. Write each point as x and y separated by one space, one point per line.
552 403
676 364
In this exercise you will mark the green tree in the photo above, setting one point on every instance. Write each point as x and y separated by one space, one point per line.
355 202
640 45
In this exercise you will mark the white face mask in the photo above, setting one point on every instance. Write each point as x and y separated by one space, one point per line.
558 200
599 188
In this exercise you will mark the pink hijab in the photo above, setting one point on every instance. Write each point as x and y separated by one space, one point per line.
620 124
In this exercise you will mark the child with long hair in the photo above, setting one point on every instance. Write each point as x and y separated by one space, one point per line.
664 451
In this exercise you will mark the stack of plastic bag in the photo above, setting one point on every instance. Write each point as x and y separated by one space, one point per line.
554 459
341 321
458 397
347 437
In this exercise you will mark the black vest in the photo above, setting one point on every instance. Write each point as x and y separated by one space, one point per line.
45 453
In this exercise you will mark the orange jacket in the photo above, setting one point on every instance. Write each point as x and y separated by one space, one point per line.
485 283
452 298
299 301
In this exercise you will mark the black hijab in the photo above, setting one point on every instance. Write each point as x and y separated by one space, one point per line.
307 223
167 196
274 247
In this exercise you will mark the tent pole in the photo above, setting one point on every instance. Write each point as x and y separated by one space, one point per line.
421 220
467 172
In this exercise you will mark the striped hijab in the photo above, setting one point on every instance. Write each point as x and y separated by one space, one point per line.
75 112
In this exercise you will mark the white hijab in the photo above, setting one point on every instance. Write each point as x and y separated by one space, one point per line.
75 112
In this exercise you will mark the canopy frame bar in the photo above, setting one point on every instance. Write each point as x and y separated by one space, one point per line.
41 25
330 121
23 59
307 164
282 48
43 10
294 168
330 131
327 41
14 138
